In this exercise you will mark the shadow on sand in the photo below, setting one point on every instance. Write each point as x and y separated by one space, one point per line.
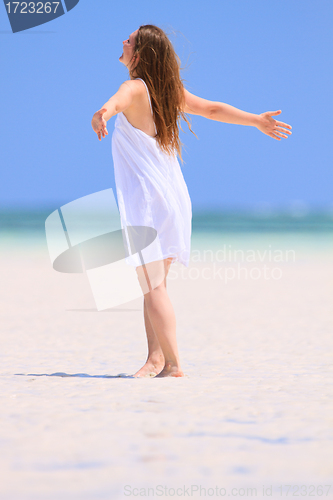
82 375
103 311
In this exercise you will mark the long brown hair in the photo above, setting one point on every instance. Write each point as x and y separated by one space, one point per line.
159 66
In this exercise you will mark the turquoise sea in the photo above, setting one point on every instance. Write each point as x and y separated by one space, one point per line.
209 228
18 220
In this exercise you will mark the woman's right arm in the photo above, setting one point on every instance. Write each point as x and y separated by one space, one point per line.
223 112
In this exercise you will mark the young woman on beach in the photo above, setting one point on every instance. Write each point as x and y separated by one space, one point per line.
151 189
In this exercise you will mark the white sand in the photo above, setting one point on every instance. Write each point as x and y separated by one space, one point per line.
254 409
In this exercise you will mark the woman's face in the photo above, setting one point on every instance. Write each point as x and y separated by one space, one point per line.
128 49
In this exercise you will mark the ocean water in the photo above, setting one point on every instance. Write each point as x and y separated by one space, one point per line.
18 220
211 230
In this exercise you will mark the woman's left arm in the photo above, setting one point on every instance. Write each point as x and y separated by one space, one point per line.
120 101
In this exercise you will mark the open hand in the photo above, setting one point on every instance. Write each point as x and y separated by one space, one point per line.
271 127
99 124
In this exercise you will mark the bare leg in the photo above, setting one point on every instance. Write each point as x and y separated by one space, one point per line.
155 359
163 320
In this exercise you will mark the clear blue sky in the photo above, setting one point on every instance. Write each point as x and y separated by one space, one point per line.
258 56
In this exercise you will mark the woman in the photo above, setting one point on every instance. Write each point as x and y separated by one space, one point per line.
151 189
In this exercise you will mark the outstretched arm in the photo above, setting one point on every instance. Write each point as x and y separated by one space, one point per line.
120 101
222 112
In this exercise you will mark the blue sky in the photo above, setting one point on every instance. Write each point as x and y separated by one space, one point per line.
258 56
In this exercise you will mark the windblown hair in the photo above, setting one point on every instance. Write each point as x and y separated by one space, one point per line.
159 66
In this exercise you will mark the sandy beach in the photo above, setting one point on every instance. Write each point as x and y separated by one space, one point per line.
253 411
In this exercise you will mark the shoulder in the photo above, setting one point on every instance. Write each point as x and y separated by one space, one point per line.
130 94
135 87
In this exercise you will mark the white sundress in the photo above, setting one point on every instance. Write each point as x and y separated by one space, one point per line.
151 192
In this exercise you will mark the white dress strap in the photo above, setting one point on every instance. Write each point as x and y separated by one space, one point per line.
149 99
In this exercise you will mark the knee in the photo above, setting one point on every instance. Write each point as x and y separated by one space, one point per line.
151 276
155 295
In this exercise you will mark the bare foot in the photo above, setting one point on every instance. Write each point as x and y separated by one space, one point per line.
170 371
150 369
